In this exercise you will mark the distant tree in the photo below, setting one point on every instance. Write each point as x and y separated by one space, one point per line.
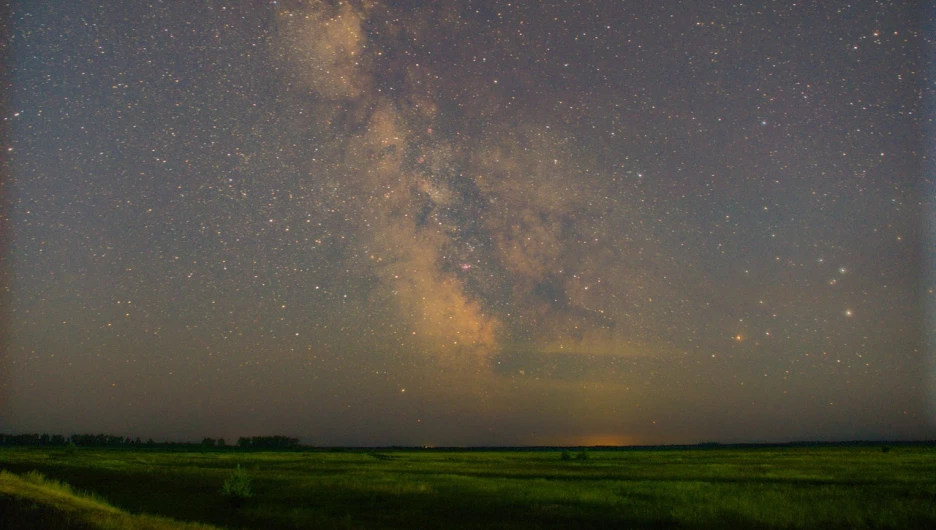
208 442
267 442
27 439
221 443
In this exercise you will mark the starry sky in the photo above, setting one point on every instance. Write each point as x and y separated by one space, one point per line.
469 222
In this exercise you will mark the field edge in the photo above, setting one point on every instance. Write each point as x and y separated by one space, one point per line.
33 501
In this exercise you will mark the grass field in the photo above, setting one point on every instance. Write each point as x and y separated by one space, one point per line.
825 487
34 501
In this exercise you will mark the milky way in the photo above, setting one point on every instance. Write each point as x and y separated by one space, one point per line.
468 222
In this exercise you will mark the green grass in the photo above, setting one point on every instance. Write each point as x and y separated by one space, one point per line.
827 487
33 501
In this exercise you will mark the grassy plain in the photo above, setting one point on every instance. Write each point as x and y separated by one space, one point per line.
790 487
35 501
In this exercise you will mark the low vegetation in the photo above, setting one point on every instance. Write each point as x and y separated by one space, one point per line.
33 501
719 487
236 488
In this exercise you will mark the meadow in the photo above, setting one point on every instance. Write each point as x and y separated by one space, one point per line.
771 487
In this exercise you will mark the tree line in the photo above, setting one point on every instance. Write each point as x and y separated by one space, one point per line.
107 440
91 440
256 442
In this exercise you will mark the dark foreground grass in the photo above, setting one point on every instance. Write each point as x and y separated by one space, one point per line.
34 501
828 487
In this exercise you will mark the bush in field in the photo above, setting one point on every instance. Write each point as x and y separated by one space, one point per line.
71 448
236 487
582 455
566 455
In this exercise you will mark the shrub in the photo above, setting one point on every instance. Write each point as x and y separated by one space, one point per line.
236 487
71 448
566 455
582 455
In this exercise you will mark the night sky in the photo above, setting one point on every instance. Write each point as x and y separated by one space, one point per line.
469 222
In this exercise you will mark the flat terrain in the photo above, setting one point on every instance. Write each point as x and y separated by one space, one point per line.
795 487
